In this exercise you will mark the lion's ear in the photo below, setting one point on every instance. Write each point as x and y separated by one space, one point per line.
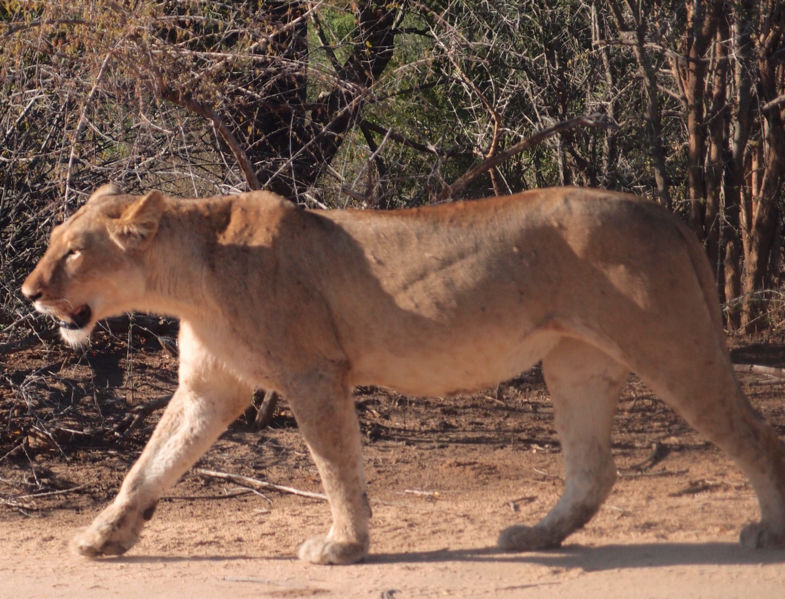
107 189
138 223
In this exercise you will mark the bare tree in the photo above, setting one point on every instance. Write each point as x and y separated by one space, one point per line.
726 69
387 104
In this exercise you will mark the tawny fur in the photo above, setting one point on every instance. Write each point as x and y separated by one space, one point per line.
427 301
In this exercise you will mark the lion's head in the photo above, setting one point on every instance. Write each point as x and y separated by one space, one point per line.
91 268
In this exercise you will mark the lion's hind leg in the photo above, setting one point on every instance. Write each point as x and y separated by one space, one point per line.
585 385
707 395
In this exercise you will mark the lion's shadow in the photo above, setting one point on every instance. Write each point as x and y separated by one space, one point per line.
606 557
588 559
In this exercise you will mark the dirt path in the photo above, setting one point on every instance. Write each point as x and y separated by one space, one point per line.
657 536
444 476
664 570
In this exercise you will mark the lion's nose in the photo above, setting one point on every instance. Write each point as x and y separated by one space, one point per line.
31 293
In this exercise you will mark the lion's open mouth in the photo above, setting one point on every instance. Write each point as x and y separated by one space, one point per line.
78 319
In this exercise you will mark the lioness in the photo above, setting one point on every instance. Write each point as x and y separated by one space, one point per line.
427 301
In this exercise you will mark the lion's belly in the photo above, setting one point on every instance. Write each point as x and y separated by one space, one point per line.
465 364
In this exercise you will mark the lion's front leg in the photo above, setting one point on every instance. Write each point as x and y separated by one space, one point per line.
193 420
326 416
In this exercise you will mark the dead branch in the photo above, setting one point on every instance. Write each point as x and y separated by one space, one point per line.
547 474
771 371
83 121
695 487
490 109
427 148
355 195
227 495
773 103
131 421
254 483
264 415
656 473
205 111
419 493
51 493
13 504
594 120
658 453
26 343
18 502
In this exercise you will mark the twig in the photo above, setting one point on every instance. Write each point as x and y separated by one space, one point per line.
51 493
228 495
266 410
17 502
526 498
254 579
774 103
205 111
12 503
257 484
42 23
695 487
658 453
37 338
547 474
594 120
83 121
430 494
429 148
127 424
638 474
354 195
513 503
772 371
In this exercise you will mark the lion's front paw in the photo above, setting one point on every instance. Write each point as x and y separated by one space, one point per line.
526 538
320 550
758 535
113 532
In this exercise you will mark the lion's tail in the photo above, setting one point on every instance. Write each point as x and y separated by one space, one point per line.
706 280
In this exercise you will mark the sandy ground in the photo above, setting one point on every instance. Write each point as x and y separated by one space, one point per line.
655 537
444 476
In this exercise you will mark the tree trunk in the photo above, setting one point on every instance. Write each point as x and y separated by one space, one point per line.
767 162
266 402
717 151
653 114
701 28
262 112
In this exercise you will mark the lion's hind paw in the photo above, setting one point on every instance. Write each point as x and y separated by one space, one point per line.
526 538
759 535
319 550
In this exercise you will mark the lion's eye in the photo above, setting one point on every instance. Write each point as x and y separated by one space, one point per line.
73 254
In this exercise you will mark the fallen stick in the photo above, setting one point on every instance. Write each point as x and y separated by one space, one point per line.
695 487
638 474
431 494
255 483
51 493
139 413
658 453
232 495
772 371
28 342
13 504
